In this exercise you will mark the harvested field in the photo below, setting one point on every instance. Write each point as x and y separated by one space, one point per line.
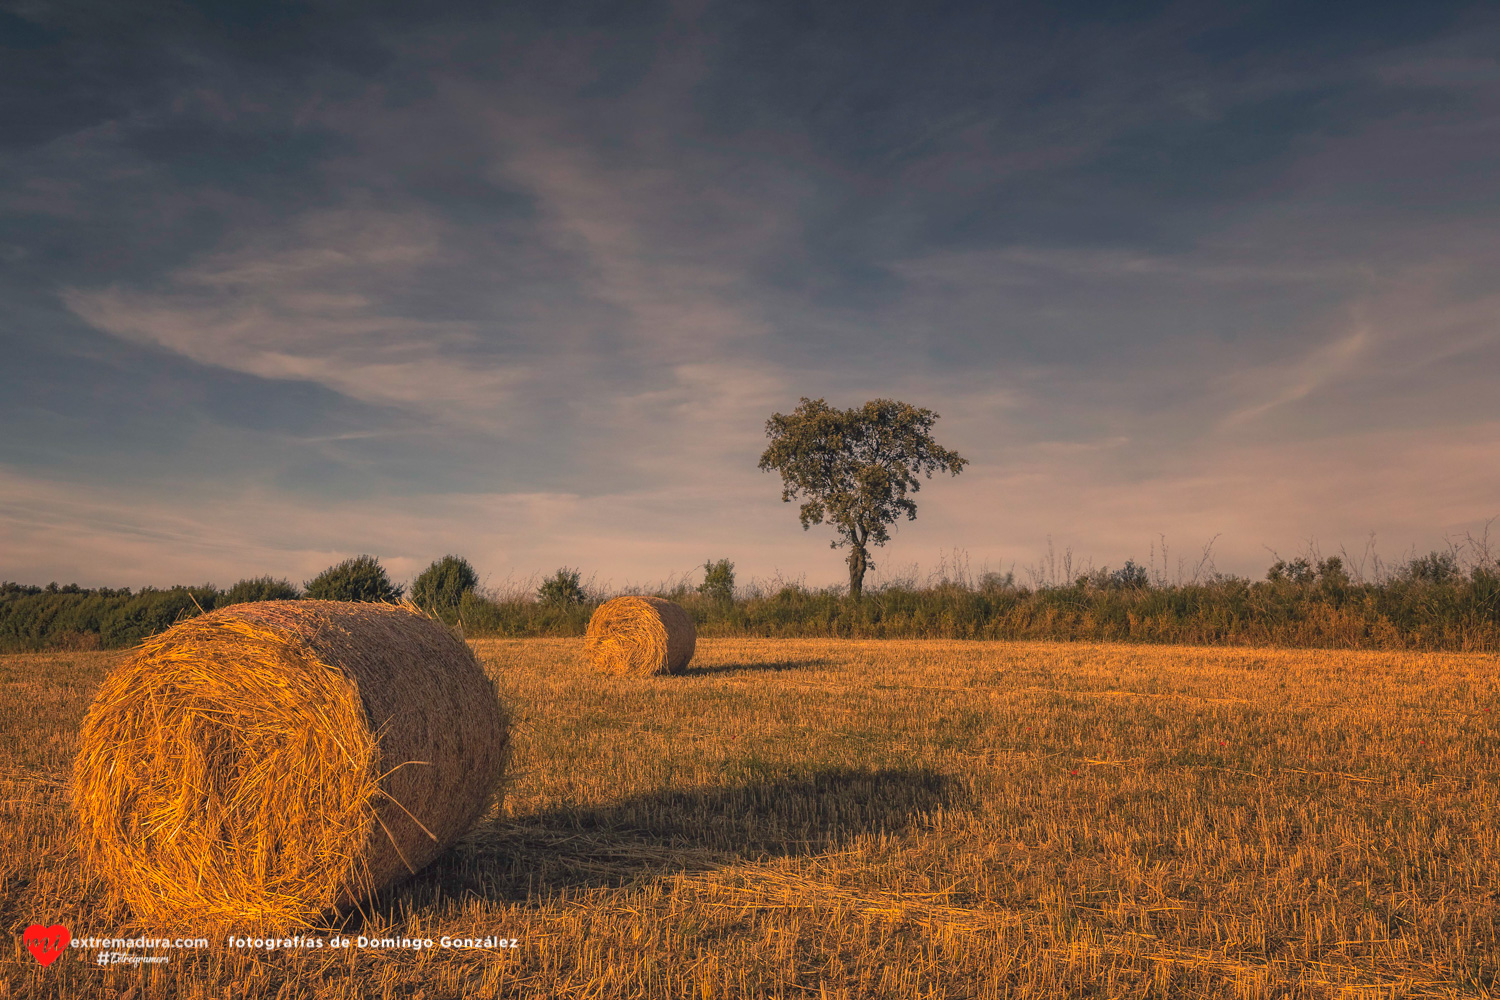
889 819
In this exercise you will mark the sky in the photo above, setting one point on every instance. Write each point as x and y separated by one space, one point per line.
283 283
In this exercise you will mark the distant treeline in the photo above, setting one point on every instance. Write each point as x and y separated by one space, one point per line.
1434 602
73 617
1433 605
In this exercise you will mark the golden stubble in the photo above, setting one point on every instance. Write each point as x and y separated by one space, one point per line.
894 819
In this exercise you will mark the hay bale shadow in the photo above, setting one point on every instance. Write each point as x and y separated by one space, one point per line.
714 669
529 858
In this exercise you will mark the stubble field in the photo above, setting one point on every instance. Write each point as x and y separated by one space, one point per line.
806 818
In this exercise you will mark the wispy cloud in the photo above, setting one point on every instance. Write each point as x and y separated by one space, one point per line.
310 311
1279 385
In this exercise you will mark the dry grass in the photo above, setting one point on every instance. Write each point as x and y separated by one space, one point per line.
893 819
262 764
640 635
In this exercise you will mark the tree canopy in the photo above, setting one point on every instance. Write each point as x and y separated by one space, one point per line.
855 468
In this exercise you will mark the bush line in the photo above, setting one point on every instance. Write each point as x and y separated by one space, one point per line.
1460 613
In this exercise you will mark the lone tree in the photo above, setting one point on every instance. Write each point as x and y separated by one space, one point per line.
854 467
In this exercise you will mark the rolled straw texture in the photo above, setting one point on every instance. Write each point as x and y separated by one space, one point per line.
641 635
269 762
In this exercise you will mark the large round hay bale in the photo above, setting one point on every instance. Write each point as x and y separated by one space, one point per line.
641 635
269 762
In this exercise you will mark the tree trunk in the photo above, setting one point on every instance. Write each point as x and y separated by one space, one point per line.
857 562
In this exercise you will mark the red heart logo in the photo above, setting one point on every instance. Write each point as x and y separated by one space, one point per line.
46 943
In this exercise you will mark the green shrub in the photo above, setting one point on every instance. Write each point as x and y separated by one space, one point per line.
718 581
1297 571
562 588
359 579
441 587
1435 567
997 583
479 615
1130 577
262 588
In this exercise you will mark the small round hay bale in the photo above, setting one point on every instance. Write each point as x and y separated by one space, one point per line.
270 762
641 635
